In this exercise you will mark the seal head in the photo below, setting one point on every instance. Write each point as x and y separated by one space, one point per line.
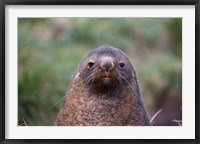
105 70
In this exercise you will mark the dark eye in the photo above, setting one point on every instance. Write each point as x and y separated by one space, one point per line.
121 65
90 64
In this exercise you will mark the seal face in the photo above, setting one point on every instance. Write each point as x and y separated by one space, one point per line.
103 91
105 69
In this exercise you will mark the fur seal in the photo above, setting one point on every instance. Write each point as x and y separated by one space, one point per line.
104 91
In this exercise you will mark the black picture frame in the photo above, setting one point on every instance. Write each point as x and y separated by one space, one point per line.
3 5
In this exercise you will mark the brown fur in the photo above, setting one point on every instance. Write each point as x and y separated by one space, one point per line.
112 102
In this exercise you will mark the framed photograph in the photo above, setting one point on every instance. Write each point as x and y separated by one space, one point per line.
110 72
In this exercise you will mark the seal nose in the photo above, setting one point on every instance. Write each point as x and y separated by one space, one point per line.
107 64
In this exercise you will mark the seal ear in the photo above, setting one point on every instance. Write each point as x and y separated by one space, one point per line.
133 75
77 75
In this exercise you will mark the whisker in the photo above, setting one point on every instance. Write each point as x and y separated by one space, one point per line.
125 80
132 87
56 103
88 78
155 115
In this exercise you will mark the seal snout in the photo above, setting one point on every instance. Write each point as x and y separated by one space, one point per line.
107 64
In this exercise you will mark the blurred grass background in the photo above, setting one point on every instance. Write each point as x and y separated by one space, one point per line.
49 49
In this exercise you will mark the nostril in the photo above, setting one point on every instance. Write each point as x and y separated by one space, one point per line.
107 65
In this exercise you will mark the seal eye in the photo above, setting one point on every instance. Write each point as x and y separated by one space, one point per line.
90 65
121 65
